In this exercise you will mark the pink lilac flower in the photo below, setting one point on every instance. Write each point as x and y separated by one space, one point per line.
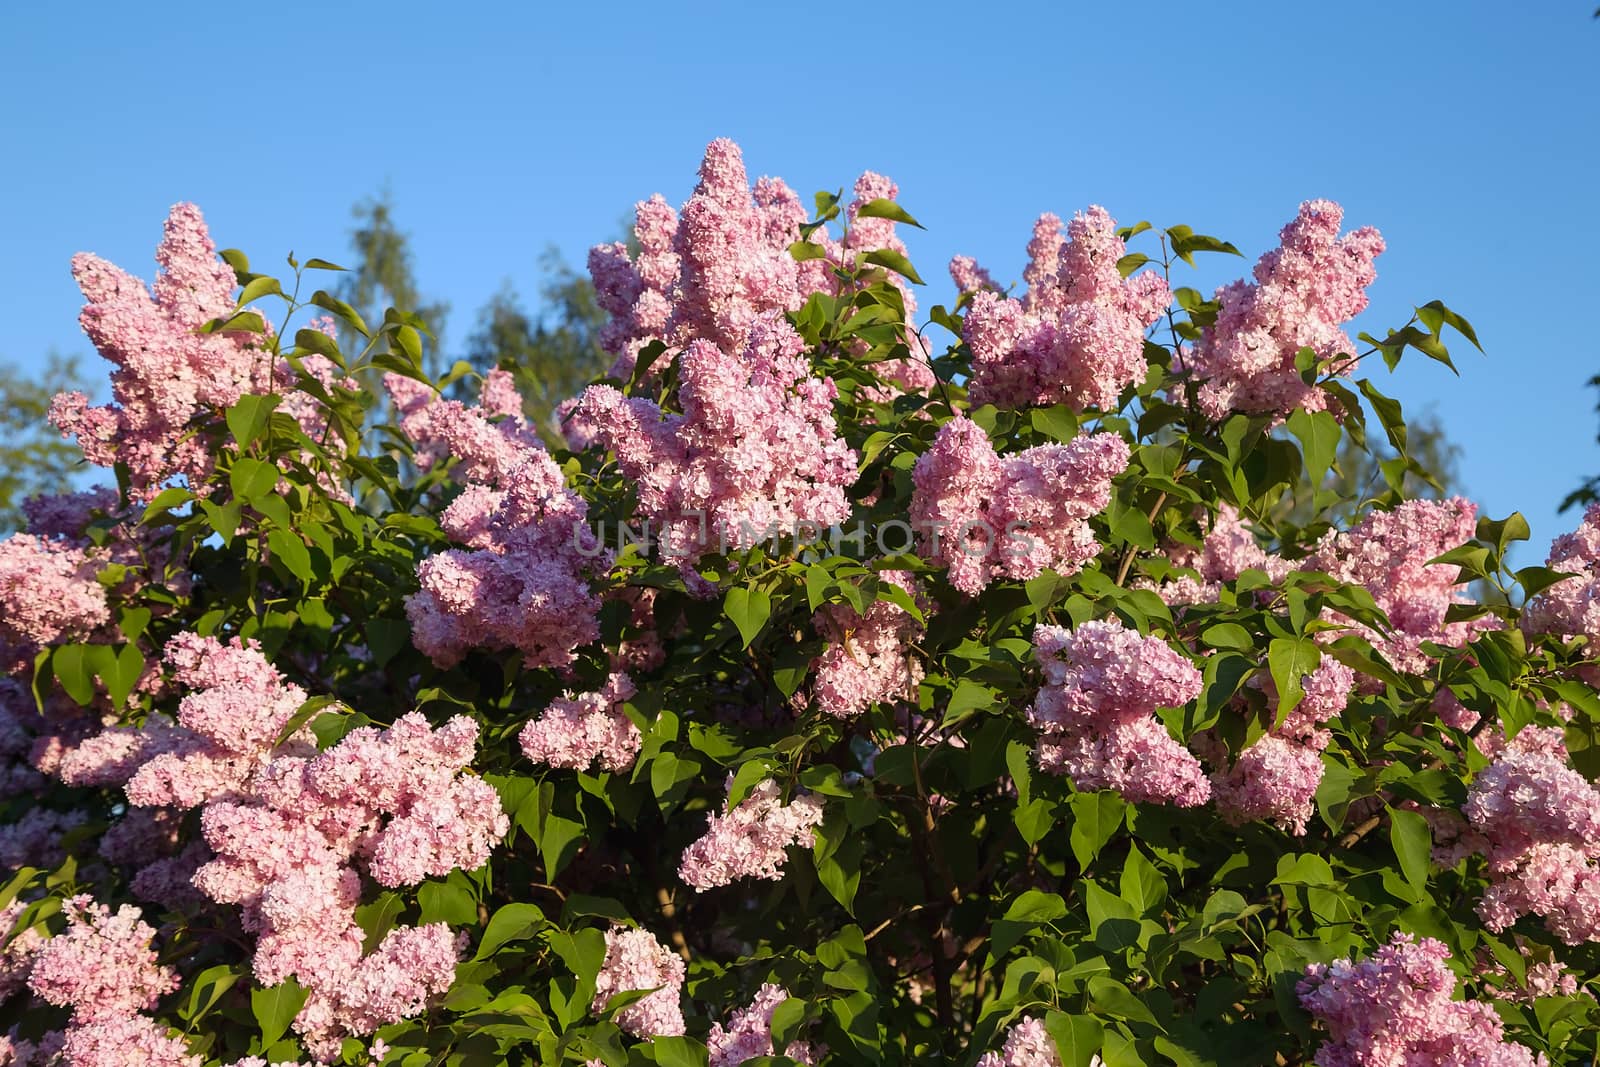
522 581
986 516
575 731
1542 977
48 594
1388 552
412 966
732 271
1571 607
1077 336
748 1033
1229 548
66 516
750 840
1538 821
237 706
288 832
635 960
712 271
1276 778
1103 684
970 277
755 453
123 1040
16 958
868 658
102 965
286 856
1305 289
166 372
36 838
1027 1044
1397 1007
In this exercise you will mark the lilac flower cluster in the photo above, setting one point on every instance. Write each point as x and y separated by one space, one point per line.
637 961
1304 290
1398 1008
1027 1044
868 659
1103 685
1387 552
710 273
750 840
1077 336
575 731
1571 607
167 372
748 1033
987 516
287 830
522 580
1538 822
755 449
103 968
1276 778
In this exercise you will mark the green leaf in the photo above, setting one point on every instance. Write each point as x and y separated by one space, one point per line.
1027 913
1413 845
679 1052
1111 997
286 546
319 343
71 666
1059 423
749 609
276 1007
969 696
1142 885
1290 659
205 989
223 519
1535 580
1096 817
1435 316
882 208
379 917
558 843
251 478
512 922
1228 635
249 416
1077 1037
1500 533
257 288
1318 433
1304 869
119 670
447 902
328 302
888 257
1112 920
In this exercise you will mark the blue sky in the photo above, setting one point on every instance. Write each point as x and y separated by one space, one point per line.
1464 131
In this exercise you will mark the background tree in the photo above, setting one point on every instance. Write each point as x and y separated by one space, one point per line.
382 274
33 456
554 351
